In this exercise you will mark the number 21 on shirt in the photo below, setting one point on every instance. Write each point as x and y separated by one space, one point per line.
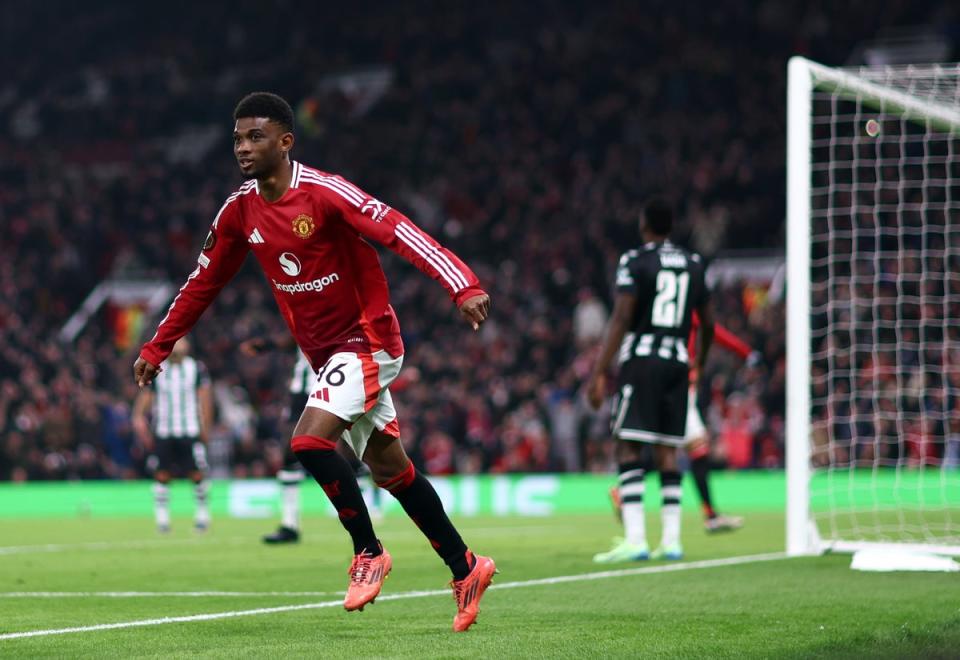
671 300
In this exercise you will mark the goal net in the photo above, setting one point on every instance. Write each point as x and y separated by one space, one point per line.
873 298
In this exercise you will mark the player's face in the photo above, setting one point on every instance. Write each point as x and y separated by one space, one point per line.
180 349
260 145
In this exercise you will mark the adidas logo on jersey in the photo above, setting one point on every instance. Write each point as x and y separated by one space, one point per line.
255 237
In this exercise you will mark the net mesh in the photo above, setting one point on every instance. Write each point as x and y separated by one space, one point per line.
885 317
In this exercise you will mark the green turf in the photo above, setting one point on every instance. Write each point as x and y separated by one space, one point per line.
811 607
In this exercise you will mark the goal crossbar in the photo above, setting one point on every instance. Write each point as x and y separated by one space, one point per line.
849 84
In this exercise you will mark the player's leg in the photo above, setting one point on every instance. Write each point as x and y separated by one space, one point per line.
161 485
363 475
289 478
698 451
347 387
631 417
201 486
314 443
670 513
632 462
672 424
393 471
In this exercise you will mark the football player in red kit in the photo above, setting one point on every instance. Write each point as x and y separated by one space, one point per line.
308 230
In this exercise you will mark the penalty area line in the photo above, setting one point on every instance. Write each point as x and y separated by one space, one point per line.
583 577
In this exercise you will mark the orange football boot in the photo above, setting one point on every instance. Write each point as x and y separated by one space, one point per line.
617 503
468 592
367 574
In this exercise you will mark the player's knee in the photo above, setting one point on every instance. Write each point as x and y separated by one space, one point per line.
630 452
667 459
162 477
310 443
395 479
699 448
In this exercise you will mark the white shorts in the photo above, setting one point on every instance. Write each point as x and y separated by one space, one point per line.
695 426
353 386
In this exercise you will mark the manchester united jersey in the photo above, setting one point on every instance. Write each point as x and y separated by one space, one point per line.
326 278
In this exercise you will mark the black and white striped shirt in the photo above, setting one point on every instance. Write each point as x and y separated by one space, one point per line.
303 375
176 406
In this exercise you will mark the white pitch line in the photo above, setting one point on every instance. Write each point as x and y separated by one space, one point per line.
162 594
236 540
665 568
112 545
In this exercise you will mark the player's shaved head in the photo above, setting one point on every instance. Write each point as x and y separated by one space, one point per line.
181 349
266 105
657 217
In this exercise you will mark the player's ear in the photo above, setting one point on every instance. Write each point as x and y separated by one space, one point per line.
286 141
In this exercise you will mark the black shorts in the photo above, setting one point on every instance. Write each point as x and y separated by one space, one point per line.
180 456
651 405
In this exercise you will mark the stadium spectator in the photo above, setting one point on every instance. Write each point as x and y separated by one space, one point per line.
561 119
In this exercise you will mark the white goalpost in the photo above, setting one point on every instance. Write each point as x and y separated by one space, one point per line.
873 308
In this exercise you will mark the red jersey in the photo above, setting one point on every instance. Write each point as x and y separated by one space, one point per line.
327 280
721 337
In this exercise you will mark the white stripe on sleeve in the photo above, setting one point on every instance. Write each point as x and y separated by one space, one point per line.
415 237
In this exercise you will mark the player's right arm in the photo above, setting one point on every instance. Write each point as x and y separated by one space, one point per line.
624 310
624 307
222 255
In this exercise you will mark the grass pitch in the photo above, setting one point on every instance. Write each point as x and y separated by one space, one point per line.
284 601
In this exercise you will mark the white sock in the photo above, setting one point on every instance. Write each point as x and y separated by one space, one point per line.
290 497
200 490
631 497
376 498
670 514
161 504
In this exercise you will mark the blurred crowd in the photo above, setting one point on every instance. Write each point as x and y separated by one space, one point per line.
524 137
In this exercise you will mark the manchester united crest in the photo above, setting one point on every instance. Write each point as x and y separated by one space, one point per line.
303 226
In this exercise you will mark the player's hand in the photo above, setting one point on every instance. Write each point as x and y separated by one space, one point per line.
476 309
596 391
144 372
254 346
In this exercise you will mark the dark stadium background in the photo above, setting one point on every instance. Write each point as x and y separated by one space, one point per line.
525 136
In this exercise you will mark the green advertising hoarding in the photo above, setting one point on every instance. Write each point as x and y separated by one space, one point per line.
529 495
515 494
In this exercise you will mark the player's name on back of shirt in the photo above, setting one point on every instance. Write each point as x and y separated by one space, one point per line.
672 259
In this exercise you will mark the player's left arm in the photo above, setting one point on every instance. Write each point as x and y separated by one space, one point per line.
726 339
377 221
704 310
141 428
205 401
624 308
